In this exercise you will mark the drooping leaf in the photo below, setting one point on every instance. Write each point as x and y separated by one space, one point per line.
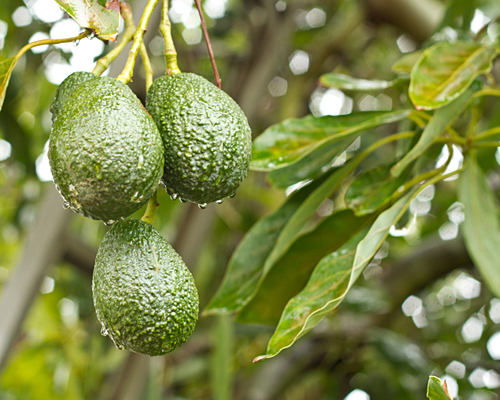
314 164
89 14
246 265
441 119
333 276
481 228
437 389
287 276
405 64
307 209
346 82
446 70
373 189
330 280
6 67
291 140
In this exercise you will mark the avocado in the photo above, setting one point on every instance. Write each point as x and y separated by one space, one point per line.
66 88
144 295
206 136
105 152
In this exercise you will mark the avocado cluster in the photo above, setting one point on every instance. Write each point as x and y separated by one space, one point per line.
105 152
206 137
144 295
108 155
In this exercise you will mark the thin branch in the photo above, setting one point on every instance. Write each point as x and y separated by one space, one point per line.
209 45
128 71
170 53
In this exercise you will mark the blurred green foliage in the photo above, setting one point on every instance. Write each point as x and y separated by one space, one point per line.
368 343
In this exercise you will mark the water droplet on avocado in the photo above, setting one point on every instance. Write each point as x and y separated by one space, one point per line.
220 201
109 223
202 206
65 205
183 200
104 331
232 195
141 161
174 196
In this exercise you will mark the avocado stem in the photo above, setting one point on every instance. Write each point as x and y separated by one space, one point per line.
170 53
147 66
209 45
149 215
104 62
127 73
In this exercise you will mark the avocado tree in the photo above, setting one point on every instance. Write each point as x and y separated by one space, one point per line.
352 268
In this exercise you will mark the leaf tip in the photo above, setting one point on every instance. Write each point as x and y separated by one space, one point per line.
259 358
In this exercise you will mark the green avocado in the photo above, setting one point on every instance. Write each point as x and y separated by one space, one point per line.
206 136
66 88
144 295
105 152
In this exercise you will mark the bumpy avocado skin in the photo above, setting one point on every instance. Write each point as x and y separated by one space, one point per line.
206 136
66 88
105 152
144 295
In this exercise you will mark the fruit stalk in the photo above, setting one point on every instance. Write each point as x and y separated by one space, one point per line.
170 53
149 214
209 45
127 73
147 66
104 62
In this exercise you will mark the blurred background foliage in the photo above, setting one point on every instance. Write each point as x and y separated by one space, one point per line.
420 307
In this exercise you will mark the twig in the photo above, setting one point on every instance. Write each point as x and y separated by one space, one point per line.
209 45
128 71
103 63
170 53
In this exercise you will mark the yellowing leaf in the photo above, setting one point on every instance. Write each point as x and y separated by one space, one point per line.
446 70
89 14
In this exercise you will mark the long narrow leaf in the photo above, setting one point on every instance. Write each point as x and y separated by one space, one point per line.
332 278
289 141
346 82
246 265
481 228
275 290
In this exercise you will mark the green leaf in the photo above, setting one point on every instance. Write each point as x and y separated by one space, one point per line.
291 140
481 228
459 14
373 189
437 389
246 265
333 276
6 67
405 64
287 276
441 119
314 164
345 82
446 70
89 14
